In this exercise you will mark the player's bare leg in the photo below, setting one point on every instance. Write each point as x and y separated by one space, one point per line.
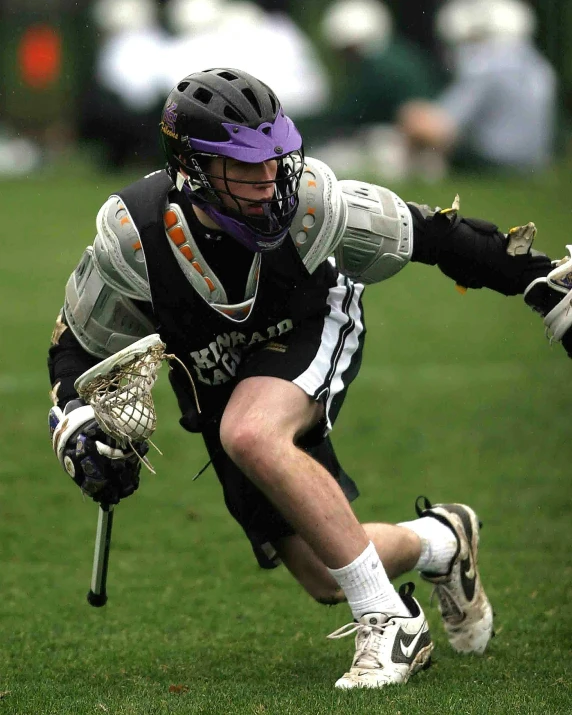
259 429
442 545
261 424
398 548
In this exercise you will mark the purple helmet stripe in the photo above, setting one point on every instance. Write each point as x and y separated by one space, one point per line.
268 141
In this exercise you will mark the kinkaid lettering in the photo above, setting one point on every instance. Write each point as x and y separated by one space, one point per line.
218 363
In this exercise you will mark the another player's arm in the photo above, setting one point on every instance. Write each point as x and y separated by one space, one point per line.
475 254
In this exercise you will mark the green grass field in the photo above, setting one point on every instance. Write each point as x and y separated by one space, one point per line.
460 398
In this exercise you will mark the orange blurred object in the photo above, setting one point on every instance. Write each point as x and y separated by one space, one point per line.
40 56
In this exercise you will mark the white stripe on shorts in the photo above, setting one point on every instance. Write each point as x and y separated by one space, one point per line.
323 379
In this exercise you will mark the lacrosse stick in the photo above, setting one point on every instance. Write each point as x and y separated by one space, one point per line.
119 390
97 595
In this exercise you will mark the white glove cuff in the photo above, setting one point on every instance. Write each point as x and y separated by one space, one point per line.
70 424
559 320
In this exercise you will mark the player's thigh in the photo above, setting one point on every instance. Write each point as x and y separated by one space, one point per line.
320 357
270 407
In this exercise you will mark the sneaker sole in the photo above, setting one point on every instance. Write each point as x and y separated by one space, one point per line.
422 661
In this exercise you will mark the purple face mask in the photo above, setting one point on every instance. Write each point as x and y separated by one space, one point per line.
270 141
243 232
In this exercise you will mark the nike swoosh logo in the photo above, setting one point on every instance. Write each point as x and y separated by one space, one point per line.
470 572
468 578
410 649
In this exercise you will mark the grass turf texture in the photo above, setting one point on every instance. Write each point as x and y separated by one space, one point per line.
460 398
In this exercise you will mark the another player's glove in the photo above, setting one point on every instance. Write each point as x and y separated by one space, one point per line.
552 298
92 458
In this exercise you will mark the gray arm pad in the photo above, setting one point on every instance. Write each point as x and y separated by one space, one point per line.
117 252
321 217
102 319
378 237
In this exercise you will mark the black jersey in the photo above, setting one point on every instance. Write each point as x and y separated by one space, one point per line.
211 344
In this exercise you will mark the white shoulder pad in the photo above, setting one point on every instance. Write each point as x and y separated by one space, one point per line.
117 251
321 216
103 319
378 236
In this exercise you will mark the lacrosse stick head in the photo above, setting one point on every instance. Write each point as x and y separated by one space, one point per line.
119 390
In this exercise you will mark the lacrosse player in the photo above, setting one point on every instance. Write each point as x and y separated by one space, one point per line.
226 254
499 110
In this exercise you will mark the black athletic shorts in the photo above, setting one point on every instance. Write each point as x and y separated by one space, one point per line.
322 356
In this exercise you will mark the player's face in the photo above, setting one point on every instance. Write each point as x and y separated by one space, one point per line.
250 196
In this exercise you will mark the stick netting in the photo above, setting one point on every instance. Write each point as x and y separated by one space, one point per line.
122 399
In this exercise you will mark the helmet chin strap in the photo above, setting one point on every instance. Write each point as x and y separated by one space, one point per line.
183 177
268 215
180 181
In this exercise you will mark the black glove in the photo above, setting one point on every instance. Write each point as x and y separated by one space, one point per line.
93 459
474 253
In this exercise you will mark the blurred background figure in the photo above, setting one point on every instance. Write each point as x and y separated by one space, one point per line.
241 34
499 110
379 70
121 102
95 72
19 156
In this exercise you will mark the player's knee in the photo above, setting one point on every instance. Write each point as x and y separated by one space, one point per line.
236 437
243 441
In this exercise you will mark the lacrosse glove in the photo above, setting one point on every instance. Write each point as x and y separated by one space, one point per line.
92 458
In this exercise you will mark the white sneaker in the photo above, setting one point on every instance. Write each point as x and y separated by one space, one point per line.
389 649
465 609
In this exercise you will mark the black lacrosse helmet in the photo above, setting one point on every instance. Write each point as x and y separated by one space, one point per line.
231 114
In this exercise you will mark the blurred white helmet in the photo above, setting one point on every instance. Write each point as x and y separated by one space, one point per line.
187 17
114 16
460 21
243 14
349 23
190 17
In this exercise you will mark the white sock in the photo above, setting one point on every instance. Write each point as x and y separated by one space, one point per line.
438 544
367 587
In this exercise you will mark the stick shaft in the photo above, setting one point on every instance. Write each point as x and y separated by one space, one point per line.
97 595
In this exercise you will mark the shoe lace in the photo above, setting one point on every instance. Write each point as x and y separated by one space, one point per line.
368 642
450 609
